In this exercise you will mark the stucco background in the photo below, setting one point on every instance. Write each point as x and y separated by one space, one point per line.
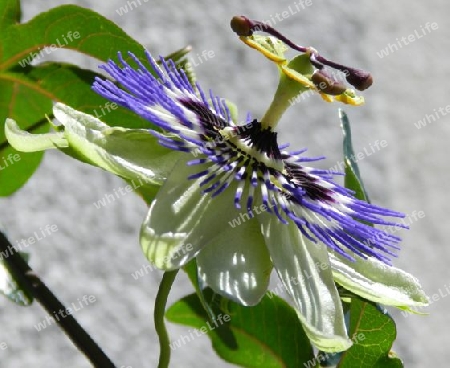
95 250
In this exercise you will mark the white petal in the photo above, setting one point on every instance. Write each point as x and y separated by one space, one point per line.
237 264
130 153
182 219
24 141
378 282
305 270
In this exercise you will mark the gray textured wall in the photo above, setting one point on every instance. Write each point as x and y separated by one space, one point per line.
95 250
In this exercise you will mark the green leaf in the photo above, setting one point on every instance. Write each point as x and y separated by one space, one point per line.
9 13
266 335
72 85
68 26
27 92
192 272
372 329
373 332
10 284
352 175
147 192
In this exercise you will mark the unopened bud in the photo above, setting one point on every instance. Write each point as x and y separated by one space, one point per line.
326 84
359 79
241 25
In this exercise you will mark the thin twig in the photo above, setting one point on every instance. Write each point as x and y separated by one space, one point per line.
52 305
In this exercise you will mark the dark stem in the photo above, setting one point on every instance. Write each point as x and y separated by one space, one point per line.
52 305
245 27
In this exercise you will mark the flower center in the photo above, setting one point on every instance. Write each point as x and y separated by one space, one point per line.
250 154
254 141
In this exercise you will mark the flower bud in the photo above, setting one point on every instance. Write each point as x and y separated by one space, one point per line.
326 84
360 79
241 25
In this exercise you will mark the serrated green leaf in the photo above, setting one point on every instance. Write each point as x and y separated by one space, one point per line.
9 13
28 92
97 36
72 85
266 335
373 331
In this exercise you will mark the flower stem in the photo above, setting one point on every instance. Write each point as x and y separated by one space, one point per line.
29 280
288 89
278 106
160 309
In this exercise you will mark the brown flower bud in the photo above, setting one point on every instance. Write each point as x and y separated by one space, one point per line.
241 25
360 79
326 84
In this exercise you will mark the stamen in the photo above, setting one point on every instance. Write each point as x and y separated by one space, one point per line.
358 78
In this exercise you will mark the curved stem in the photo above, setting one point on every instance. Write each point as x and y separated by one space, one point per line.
160 309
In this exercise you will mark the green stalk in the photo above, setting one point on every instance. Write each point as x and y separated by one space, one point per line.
160 310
